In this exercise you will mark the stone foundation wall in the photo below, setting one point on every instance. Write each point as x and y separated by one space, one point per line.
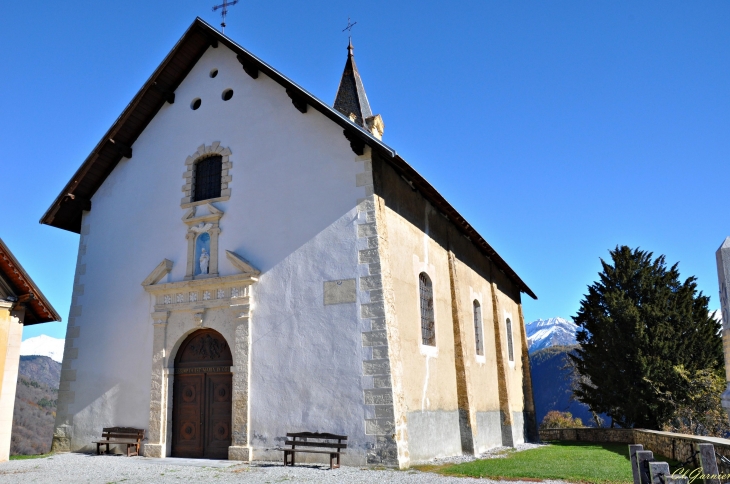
666 444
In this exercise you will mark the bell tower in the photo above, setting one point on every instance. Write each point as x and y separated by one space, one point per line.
352 101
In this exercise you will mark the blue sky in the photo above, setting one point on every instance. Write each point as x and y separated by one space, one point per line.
559 129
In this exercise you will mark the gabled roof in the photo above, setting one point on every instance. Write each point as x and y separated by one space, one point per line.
24 290
351 97
66 210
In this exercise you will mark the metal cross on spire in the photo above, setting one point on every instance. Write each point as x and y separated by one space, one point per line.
349 27
224 12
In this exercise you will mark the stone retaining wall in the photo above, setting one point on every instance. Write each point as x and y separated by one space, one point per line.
667 444
617 436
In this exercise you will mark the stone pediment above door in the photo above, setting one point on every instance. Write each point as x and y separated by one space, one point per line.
241 264
197 295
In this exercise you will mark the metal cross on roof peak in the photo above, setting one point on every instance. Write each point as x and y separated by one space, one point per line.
224 12
349 27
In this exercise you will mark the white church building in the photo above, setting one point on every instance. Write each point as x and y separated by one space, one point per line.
253 261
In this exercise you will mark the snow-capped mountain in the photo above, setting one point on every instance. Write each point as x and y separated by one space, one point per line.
550 332
43 345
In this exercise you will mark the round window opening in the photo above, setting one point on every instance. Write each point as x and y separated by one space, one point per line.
213 72
195 104
227 94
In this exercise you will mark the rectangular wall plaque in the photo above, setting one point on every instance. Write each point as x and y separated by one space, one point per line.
340 292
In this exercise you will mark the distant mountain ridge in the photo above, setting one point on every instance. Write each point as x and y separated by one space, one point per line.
544 333
551 384
36 397
41 369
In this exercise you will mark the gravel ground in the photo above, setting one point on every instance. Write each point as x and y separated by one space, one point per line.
495 453
93 469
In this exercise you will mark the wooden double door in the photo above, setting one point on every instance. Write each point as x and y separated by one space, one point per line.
202 397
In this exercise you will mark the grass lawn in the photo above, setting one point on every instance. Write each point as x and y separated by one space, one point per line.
33 456
568 461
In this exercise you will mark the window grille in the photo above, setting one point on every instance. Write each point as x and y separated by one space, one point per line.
478 328
428 325
207 181
510 351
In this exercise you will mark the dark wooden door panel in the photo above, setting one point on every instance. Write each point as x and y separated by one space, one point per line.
202 401
218 415
187 409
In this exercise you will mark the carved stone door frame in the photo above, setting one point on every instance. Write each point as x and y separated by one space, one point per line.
180 308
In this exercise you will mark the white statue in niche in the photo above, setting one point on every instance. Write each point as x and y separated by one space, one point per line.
204 259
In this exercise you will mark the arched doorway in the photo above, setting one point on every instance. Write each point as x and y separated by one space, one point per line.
201 408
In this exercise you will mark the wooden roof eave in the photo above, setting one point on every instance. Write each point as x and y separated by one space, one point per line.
69 190
41 309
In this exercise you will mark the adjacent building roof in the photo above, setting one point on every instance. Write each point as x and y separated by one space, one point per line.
351 98
66 210
23 291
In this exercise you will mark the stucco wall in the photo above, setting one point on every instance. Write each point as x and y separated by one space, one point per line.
429 384
421 240
292 213
513 370
11 333
481 371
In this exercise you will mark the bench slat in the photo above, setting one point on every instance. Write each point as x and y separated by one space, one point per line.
325 444
128 436
312 451
316 435
316 444
119 441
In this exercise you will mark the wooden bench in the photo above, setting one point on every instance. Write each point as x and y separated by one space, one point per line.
315 443
120 436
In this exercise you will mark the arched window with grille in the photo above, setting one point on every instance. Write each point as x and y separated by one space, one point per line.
207 178
510 351
428 324
478 334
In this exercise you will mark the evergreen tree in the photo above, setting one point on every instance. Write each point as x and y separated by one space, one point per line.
636 324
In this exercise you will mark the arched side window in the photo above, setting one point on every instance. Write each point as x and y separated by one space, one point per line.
478 335
428 325
207 181
510 351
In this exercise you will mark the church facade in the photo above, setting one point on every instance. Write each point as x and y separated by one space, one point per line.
253 261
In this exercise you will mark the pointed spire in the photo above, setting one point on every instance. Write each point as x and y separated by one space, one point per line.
351 99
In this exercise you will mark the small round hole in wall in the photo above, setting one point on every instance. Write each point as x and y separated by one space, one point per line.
213 72
195 104
227 94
